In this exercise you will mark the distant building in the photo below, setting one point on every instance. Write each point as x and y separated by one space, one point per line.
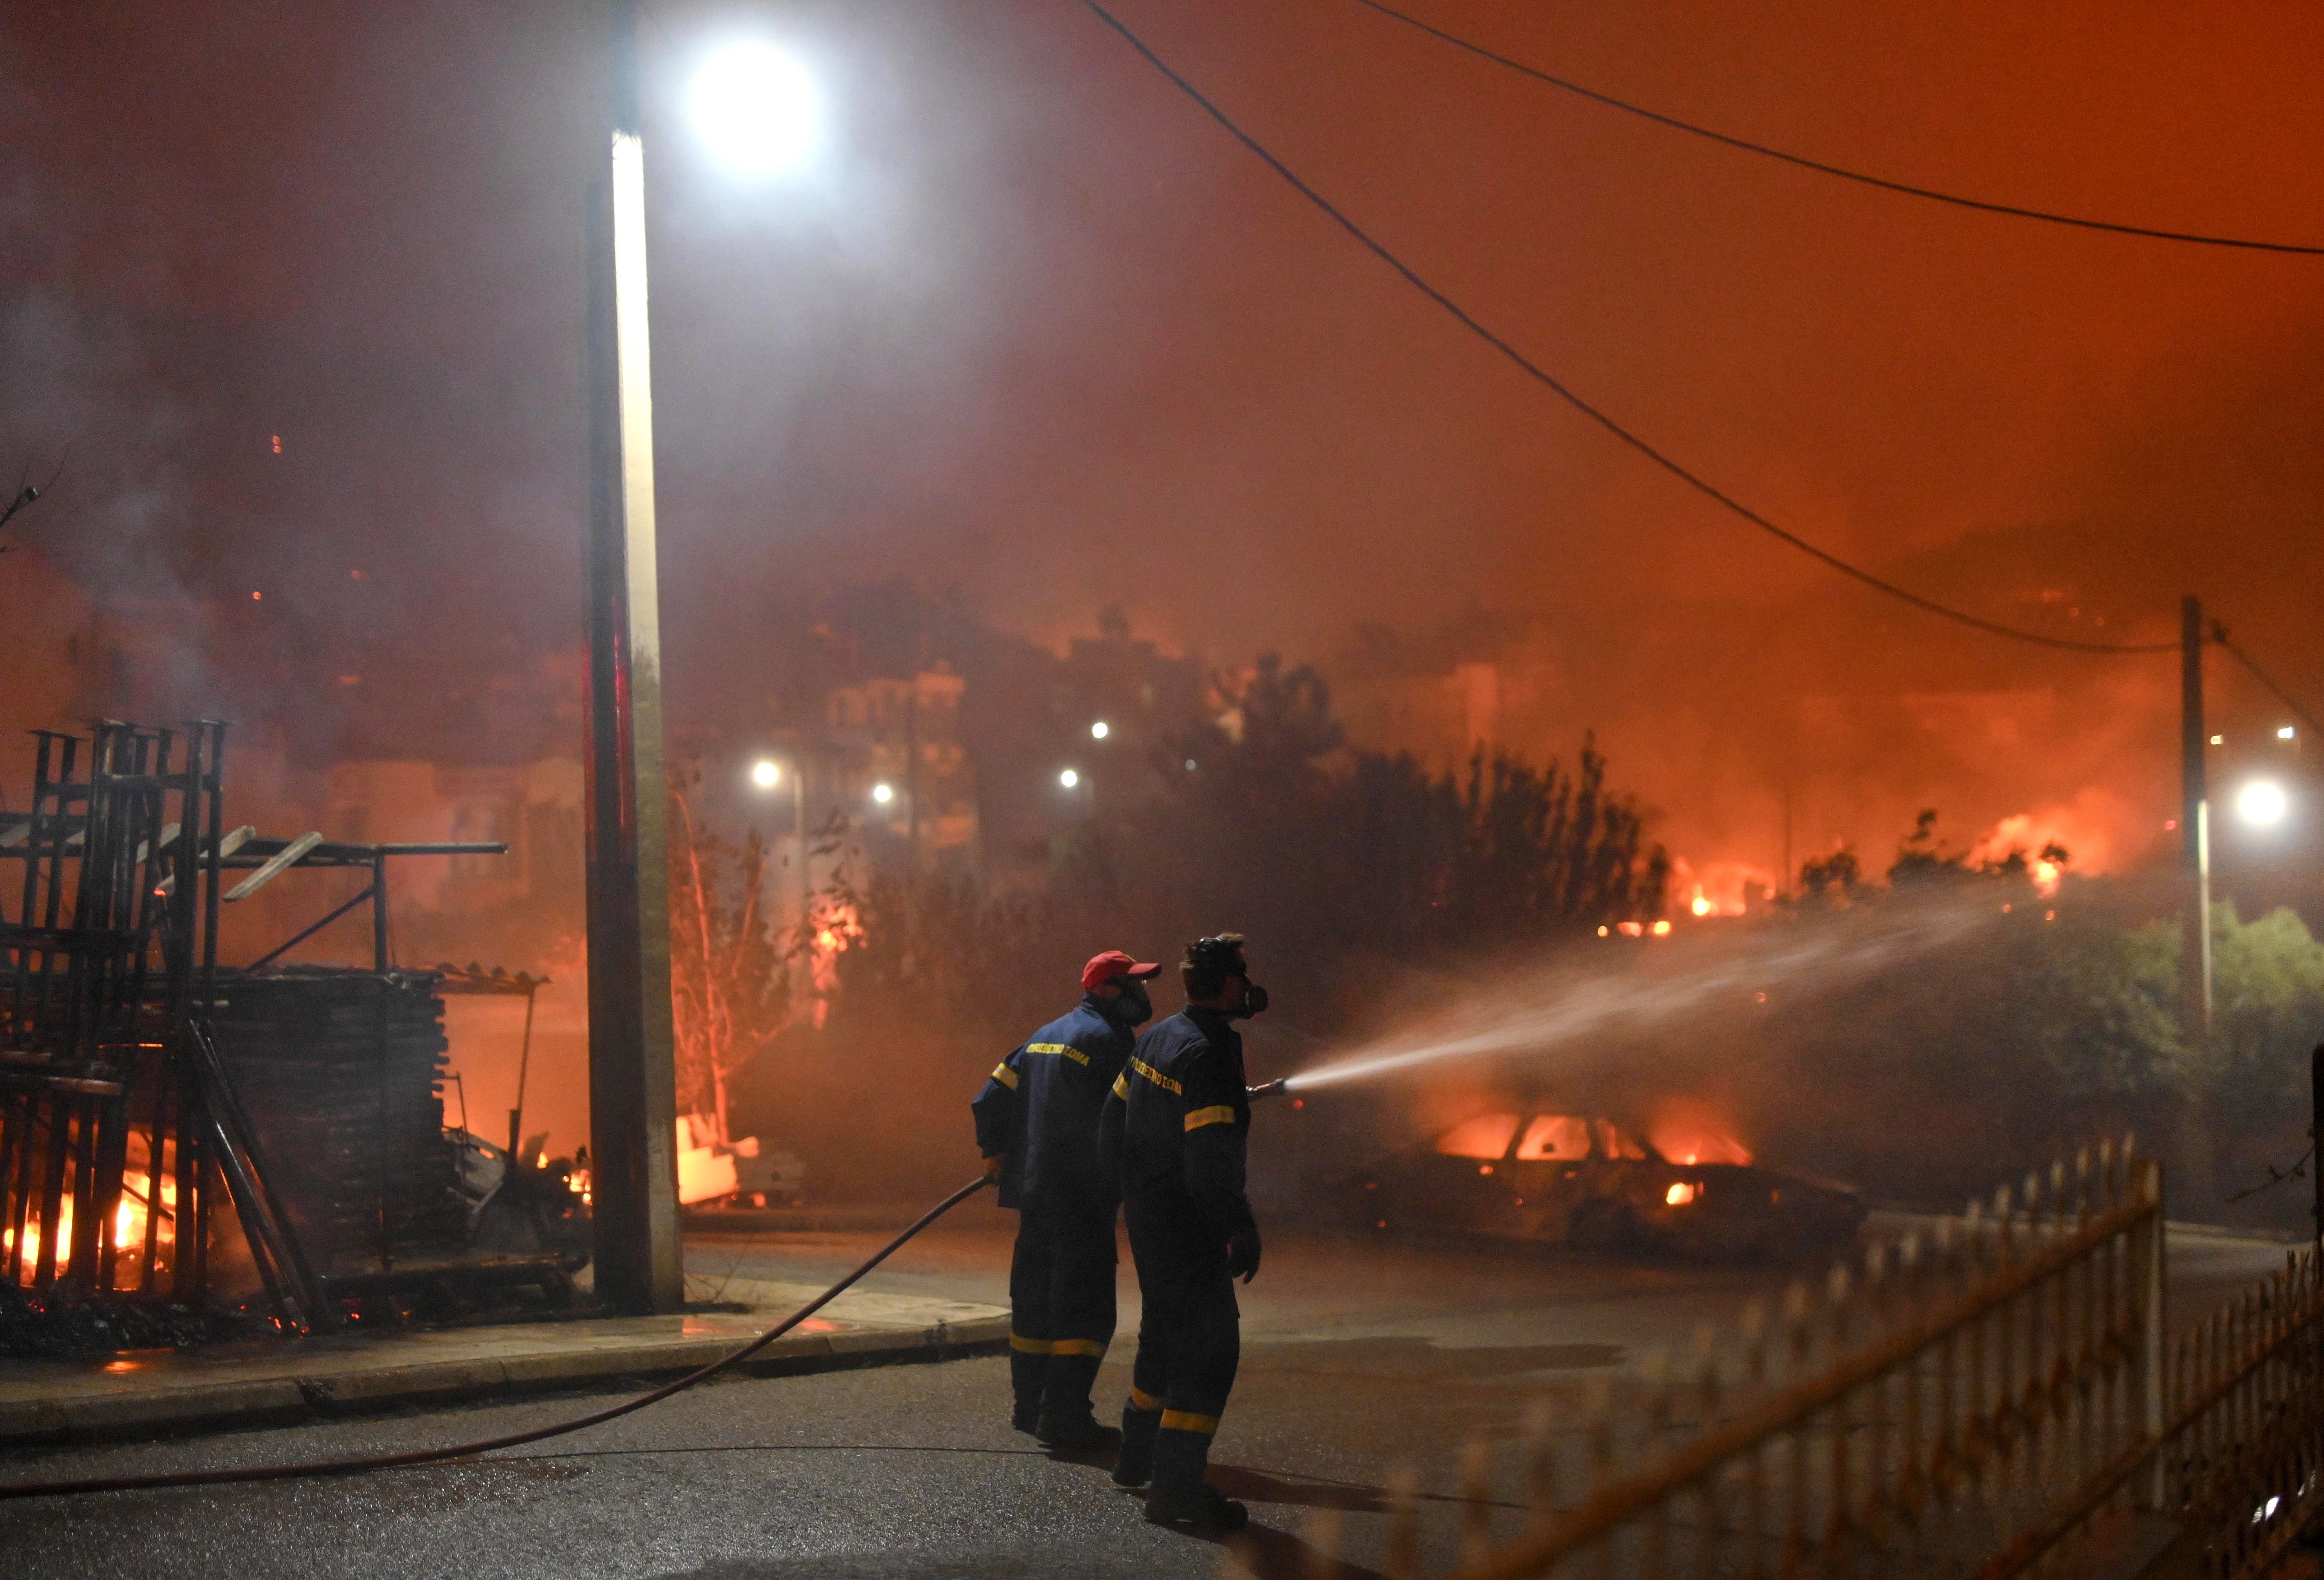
893 763
534 809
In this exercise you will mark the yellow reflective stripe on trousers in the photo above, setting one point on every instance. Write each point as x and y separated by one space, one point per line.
1078 1347
1157 1076
1188 1422
1122 1088
1221 1115
1031 1347
1005 1075
1143 1402
1065 1049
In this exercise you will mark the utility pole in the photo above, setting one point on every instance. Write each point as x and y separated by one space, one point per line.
632 1084
2194 829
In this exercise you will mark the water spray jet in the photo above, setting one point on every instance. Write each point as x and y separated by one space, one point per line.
1534 1011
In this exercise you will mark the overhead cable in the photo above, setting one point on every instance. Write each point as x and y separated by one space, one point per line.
1534 371
2220 635
2013 211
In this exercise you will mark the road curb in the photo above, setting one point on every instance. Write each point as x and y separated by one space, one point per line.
133 1413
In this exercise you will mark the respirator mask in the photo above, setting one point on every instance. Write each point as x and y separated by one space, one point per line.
1224 951
1131 1007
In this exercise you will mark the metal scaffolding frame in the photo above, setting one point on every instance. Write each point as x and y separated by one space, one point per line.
119 1123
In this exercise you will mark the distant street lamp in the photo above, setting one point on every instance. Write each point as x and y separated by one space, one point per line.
2261 803
1100 730
1069 779
767 775
883 793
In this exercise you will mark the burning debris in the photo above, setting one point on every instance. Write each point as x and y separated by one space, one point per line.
171 1134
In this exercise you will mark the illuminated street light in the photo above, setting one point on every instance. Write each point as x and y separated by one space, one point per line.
2284 734
2262 802
1069 779
767 775
883 793
1100 730
757 108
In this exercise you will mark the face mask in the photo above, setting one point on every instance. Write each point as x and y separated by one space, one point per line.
1254 1002
1133 1008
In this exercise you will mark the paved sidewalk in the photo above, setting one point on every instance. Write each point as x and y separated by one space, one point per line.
158 1393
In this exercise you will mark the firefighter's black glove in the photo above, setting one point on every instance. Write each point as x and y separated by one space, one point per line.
1242 1254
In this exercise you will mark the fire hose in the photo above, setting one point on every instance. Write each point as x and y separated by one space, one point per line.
269 1472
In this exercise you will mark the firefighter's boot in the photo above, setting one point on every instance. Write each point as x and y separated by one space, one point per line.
1027 1373
1134 1466
1069 1423
1178 1496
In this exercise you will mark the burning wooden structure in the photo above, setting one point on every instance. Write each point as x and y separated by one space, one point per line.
161 1117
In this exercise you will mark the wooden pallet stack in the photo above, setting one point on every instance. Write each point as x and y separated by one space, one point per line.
340 1071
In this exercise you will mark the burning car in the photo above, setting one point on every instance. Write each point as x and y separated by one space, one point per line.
1682 1186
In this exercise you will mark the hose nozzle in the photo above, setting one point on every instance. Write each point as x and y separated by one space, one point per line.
1274 1088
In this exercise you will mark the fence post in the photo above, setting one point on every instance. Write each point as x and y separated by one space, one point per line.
2153 1405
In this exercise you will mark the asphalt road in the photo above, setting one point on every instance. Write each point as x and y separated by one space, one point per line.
1360 1357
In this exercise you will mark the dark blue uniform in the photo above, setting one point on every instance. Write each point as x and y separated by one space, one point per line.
1178 1122
1038 1111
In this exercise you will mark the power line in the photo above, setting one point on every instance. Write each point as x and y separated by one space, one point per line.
2220 635
1533 371
1861 178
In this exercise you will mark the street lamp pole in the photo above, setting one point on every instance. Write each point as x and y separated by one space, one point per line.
632 1086
2194 829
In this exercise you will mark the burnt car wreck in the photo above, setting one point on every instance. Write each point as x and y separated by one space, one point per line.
1597 1185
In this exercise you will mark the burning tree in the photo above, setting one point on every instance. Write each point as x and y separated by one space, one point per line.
729 991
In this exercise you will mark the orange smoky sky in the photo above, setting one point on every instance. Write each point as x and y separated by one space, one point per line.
1039 330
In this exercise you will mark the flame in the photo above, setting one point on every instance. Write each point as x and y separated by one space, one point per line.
1679 1194
837 929
1722 888
1690 1133
2087 826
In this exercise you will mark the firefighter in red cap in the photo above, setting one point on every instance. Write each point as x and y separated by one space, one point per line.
1037 1123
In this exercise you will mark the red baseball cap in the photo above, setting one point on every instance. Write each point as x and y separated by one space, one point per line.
1103 968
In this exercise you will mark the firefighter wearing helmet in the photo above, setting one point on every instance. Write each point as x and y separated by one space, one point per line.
1177 1125
1037 1123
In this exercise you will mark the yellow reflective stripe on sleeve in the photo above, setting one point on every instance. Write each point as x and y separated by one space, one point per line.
1139 1400
1122 1088
1157 1076
1188 1422
1221 1115
1078 1347
1030 1346
1005 1075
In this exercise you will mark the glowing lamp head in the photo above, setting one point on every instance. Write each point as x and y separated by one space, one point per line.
1100 730
2286 733
757 108
883 793
1069 779
766 775
2262 802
